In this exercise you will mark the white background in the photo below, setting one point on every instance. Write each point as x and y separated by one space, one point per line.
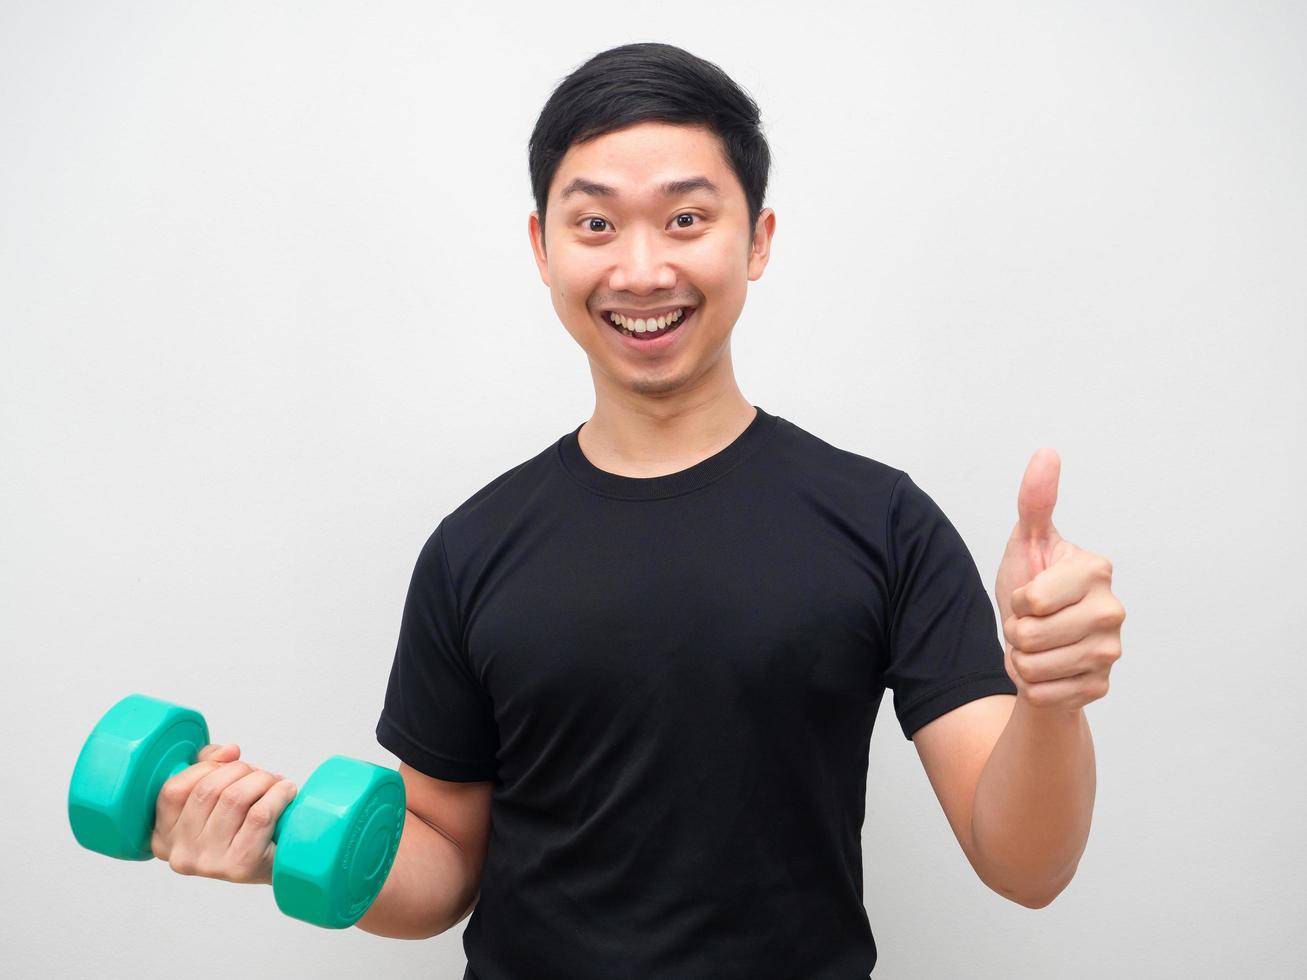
269 311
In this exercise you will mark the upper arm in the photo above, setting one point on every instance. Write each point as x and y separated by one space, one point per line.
954 749
458 811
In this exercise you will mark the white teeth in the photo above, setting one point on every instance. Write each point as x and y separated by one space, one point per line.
643 326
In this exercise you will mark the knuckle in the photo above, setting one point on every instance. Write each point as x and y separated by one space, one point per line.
207 868
260 816
1025 666
1021 662
1024 634
1110 617
1037 696
181 863
174 792
206 789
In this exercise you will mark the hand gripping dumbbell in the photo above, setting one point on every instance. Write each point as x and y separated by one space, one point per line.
336 840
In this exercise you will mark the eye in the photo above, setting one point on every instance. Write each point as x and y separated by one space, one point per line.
600 224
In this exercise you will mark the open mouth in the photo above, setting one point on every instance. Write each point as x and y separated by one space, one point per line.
649 334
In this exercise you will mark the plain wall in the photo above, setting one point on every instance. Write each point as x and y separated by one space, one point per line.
269 312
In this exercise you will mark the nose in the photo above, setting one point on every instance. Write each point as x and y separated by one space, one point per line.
642 264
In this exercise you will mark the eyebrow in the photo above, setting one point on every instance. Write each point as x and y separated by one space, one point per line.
673 187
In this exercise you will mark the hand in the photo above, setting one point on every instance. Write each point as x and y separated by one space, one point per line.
1060 619
215 818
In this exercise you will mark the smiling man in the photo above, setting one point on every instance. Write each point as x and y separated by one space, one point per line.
648 270
637 674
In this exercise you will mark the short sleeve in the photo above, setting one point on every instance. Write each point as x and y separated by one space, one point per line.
436 716
944 648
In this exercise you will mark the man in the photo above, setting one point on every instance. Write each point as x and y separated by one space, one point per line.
637 674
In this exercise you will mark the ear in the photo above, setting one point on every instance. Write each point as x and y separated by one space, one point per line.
760 244
536 232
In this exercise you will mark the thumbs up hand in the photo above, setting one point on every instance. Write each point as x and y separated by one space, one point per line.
1060 619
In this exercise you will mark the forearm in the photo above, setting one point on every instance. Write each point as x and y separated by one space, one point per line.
429 888
1033 805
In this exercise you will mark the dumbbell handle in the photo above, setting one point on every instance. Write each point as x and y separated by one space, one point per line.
276 828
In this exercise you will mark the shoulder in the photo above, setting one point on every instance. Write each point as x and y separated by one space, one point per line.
500 491
842 472
497 505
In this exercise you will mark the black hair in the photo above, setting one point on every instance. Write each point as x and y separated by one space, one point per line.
647 81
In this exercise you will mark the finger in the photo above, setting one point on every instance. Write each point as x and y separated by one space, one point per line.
1067 692
1058 586
204 796
1062 628
176 791
219 752
253 842
231 805
1052 665
1098 614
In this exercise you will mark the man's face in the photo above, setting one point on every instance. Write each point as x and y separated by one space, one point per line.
635 249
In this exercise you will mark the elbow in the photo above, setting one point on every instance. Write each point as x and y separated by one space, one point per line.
1036 903
1028 900
1031 899
467 910
1028 890
1030 894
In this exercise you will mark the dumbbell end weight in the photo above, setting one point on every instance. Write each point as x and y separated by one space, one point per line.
139 744
334 855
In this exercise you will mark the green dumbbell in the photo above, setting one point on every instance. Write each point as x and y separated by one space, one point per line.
336 840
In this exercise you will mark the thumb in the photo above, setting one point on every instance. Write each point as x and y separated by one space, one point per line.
1038 495
219 752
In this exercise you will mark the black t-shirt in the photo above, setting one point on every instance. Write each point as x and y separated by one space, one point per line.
672 681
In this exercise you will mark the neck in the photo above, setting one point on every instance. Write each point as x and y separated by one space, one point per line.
644 437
